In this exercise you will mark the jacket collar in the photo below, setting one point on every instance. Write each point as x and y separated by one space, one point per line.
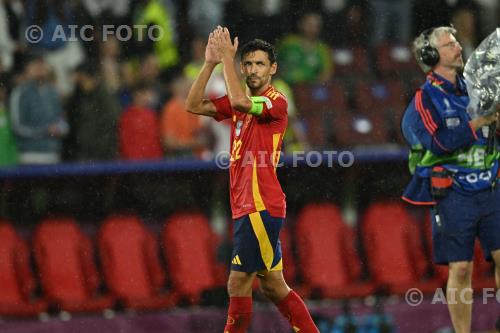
444 85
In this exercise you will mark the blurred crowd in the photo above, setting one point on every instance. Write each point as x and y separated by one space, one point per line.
115 96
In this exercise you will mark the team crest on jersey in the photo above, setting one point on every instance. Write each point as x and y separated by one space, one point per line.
239 125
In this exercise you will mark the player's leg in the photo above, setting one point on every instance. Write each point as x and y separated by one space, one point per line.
267 230
239 287
453 237
247 259
273 285
496 258
459 295
489 234
288 302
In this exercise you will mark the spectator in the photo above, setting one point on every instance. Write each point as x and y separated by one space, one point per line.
113 12
12 43
392 21
94 114
110 64
160 13
489 15
139 128
295 138
182 133
37 116
266 19
8 149
204 15
215 89
215 86
464 21
345 22
304 58
61 53
149 73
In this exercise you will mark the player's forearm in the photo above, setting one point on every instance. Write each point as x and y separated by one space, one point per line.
196 94
239 100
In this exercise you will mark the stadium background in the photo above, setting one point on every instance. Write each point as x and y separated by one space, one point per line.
348 96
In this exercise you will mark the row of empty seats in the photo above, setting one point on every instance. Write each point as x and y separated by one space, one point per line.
396 254
387 60
357 113
321 259
129 255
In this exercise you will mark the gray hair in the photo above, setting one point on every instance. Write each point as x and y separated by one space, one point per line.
419 43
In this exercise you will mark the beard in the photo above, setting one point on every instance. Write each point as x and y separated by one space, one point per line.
460 64
254 82
457 63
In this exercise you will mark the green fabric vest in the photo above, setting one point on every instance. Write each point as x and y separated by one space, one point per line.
156 14
8 149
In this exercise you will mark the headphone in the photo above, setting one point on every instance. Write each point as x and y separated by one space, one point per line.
429 55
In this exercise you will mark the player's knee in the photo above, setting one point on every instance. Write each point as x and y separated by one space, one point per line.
461 272
269 290
238 286
274 290
496 258
233 287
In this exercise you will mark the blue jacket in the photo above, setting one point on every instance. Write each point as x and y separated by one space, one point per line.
437 127
33 109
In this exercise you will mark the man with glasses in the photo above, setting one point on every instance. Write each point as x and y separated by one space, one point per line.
455 166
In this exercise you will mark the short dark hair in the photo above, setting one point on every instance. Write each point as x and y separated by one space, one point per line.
259 45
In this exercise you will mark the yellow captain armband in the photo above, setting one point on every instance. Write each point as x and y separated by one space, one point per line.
258 105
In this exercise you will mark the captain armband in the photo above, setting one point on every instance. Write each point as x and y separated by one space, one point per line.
258 105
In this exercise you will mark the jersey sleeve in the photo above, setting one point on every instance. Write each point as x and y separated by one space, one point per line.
434 133
275 107
223 108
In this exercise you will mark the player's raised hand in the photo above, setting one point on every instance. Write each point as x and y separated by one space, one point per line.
226 46
212 54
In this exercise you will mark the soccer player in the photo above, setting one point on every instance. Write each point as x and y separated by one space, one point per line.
455 167
258 122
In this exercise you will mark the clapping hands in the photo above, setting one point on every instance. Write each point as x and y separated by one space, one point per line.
220 46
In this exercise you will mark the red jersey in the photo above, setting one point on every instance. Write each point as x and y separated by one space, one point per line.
255 151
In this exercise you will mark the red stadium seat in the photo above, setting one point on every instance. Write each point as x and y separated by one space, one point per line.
139 133
351 62
354 128
482 273
394 249
16 279
64 256
190 247
329 262
289 265
385 99
395 60
129 256
381 97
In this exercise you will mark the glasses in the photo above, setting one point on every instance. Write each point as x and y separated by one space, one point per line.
452 44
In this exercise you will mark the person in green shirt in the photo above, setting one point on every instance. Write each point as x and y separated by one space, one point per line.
305 58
